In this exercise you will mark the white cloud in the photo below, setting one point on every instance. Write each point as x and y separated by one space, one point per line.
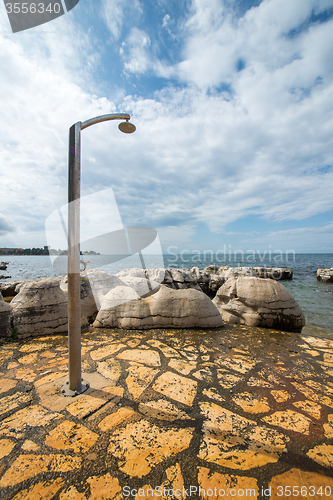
199 155
115 12
136 52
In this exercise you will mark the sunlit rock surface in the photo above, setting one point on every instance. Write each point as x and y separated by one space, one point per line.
259 302
123 308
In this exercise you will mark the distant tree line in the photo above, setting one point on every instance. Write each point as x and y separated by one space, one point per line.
24 251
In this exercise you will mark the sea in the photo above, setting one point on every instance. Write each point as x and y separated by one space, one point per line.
314 297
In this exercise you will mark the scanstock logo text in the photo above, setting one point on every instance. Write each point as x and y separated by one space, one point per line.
27 14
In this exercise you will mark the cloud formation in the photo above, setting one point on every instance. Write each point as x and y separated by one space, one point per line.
233 112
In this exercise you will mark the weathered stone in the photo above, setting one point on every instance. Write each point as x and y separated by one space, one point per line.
140 446
322 454
162 410
149 358
87 299
325 275
178 388
32 416
7 384
10 289
6 447
26 466
71 493
111 369
304 483
259 302
104 352
100 283
174 483
120 416
71 436
182 366
46 490
241 364
213 394
227 379
89 403
310 408
280 396
211 482
235 442
328 428
104 487
9 403
167 351
6 311
165 309
29 446
139 378
289 420
251 404
39 308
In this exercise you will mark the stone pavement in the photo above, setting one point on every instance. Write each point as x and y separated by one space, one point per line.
238 412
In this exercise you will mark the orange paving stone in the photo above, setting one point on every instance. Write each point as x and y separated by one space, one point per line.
106 351
9 403
162 410
160 404
49 378
120 416
251 404
310 408
72 493
328 428
140 446
41 491
322 454
176 387
25 374
236 442
26 466
146 357
215 486
6 447
110 369
289 420
104 487
69 435
139 378
29 446
7 384
302 484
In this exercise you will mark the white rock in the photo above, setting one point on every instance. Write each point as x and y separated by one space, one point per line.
167 308
101 283
40 307
259 302
142 286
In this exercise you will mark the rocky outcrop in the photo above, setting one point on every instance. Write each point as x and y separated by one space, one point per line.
40 307
168 308
210 279
325 275
259 302
5 318
12 288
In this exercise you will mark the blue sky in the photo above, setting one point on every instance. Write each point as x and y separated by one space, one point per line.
233 103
